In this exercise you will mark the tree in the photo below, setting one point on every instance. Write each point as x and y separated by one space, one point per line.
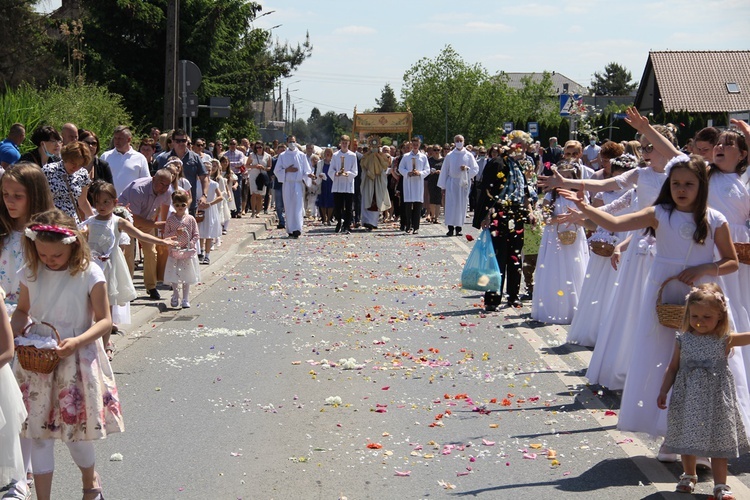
26 55
448 96
616 80
125 49
387 102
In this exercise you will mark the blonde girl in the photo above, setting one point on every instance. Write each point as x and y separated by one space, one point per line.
210 227
703 391
77 403
224 213
182 263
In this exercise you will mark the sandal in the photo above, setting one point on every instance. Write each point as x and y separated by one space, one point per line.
97 489
110 349
686 483
722 492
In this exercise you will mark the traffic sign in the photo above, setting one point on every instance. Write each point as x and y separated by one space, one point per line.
219 107
508 127
190 76
534 129
191 108
569 104
619 116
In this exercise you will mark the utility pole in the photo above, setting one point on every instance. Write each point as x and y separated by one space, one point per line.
170 69
288 102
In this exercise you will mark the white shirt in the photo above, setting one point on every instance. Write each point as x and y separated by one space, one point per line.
343 183
126 167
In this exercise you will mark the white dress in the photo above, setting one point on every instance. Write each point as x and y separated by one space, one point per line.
78 401
224 213
600 277
11 260
611 356
103 238
182 270
560 271
675 251
211 225
12 415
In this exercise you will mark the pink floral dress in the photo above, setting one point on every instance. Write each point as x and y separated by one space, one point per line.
78 401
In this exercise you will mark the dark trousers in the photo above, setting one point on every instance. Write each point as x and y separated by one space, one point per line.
508 246
412 215
342 209
529 265
237 193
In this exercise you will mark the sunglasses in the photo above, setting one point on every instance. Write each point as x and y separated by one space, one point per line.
180 141
180 205
92 143
646 149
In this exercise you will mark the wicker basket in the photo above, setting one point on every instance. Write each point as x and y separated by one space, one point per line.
602 248
566 237
743 252
200 215
670 315
38 360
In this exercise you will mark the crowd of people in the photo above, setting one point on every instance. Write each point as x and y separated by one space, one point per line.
597 233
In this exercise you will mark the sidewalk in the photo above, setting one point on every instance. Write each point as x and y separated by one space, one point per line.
143 310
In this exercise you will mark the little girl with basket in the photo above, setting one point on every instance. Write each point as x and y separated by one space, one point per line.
182 263
703 417
561 264
77 402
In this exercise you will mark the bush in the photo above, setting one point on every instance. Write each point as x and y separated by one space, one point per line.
89 106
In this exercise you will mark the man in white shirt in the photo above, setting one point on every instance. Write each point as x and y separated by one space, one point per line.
126 163
459 168
237 161
591 154
414 167
292 169
342 172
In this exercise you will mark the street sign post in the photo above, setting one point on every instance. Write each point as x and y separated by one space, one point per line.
508 127
189 81
533 129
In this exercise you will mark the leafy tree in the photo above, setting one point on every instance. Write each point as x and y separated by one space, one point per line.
125 49
26 54
387 102
326 129
616 80
447 96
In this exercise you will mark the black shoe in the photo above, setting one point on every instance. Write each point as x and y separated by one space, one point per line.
458 231
527 296
200 257
416 231
450 231
297 234
515 303
338 228
281 226
153 294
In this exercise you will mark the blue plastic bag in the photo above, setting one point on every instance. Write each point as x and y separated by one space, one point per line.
481 271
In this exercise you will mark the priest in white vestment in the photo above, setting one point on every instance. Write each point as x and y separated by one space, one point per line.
459 168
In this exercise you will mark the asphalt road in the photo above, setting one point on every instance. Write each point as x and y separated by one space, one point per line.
354 366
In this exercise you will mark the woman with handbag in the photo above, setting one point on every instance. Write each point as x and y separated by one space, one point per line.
258 165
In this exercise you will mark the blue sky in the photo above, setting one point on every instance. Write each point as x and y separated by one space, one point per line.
358 47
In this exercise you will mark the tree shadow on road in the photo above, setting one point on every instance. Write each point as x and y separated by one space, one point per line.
606 474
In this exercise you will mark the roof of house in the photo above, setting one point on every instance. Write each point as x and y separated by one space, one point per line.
514 82
696 81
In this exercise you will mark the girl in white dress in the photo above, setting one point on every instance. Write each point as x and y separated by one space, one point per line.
224 213
688 233
210 227
12 415
560 266
182 263
614 345
103 234
25 193
602 272
257 161
78 402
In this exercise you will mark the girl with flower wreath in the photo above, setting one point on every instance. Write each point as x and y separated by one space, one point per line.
78 402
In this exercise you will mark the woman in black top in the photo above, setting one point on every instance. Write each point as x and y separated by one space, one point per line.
48 145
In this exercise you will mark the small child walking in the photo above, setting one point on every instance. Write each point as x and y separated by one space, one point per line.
210 227
103 233
78 402
182 263
703 417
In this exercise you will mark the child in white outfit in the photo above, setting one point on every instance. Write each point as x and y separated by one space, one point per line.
182 263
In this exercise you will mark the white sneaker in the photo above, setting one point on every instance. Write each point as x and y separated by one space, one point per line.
185 304
175 301
16 491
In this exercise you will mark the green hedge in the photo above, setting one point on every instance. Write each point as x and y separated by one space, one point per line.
89 106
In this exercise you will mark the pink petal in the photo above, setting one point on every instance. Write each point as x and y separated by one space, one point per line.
404 473
488 443
529 456
385 388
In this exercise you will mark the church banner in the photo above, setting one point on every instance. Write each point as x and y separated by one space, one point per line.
378 123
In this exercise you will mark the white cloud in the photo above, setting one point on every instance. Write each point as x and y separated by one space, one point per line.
488 27
355 30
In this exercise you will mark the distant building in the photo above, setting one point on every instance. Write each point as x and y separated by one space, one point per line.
561 84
